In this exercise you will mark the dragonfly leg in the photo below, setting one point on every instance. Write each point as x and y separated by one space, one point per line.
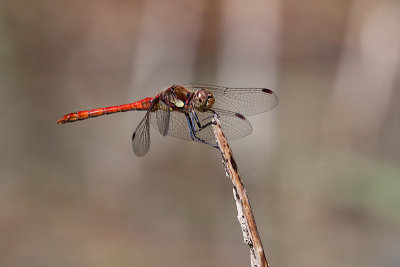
196 119
190 127
193 131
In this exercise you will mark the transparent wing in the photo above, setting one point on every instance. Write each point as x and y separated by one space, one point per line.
177 125
162 115
233 124
141 137
246 101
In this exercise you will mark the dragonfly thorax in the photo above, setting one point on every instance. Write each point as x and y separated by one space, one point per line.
203 100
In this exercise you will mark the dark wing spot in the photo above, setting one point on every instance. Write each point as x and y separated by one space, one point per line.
240 116
133 135
265 90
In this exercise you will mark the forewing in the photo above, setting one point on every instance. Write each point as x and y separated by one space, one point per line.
245 101
141 137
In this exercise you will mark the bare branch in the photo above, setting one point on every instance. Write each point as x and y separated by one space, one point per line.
245 214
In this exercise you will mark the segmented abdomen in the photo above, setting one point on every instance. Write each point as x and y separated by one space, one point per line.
143 104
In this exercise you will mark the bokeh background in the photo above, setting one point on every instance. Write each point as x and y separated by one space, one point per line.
322 170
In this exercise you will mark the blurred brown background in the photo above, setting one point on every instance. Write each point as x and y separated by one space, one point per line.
322 170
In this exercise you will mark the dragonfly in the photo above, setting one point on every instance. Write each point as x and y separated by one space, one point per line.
186 111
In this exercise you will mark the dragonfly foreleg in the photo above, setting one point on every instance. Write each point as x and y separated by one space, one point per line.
194 117
193 131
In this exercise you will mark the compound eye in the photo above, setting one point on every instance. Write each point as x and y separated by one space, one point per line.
201 96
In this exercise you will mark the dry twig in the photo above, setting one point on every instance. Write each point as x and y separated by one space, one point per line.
245 214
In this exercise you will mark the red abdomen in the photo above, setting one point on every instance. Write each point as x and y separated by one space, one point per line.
143 104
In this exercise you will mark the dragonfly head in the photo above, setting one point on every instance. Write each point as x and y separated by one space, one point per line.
203 100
